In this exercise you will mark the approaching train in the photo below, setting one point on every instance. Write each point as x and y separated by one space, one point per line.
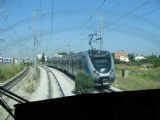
96 63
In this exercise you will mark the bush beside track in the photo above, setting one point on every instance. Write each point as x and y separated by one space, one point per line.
83 83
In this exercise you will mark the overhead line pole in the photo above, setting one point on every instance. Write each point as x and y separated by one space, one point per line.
69 46
101 30
35 42
2 40
84 24
101 33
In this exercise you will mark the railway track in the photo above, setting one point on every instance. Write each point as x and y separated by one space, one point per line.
106 90
97 89
114 89
4 87
15 79
49 72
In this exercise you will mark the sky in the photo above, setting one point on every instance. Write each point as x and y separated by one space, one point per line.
64 25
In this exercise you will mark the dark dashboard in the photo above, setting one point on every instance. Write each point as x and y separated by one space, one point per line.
137 105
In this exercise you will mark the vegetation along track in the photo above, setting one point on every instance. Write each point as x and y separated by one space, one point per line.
49 83
97 89
4 90
15 79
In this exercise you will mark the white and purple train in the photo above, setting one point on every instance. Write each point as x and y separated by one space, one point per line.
96 63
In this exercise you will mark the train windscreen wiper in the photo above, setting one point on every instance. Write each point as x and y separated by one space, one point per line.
11 95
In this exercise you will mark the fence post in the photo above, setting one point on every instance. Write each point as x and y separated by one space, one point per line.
124 73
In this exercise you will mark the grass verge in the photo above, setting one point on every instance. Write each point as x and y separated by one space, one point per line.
139 78
8 70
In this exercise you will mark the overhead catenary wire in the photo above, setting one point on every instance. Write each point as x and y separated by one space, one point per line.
87 21
131 11
90 18
15 33
51 35
142 32
41 26
25 16
78 40
138 18
115 6
83 24
52 20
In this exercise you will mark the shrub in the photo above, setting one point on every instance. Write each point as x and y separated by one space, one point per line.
117 61
83 83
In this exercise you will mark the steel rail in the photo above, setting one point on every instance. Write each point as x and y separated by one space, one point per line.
15 79
61 90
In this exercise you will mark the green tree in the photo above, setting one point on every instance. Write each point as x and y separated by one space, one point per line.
154 60
43 58
62 53
131 57
117 61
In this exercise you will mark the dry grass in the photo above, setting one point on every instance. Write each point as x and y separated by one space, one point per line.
32 84
138 78
30 87
8 70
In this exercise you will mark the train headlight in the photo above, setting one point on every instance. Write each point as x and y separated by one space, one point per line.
94 71
111 71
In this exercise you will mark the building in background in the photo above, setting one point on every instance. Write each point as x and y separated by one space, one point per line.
8 60
57 55
122 56
39 57
139 57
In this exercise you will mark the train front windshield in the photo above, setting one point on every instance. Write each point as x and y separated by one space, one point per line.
101 61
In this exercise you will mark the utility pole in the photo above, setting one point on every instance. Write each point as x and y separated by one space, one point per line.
13 64
5 17
101 30
2 40
69 46
101 33
35 41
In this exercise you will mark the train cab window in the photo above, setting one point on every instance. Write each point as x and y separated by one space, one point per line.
101 61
